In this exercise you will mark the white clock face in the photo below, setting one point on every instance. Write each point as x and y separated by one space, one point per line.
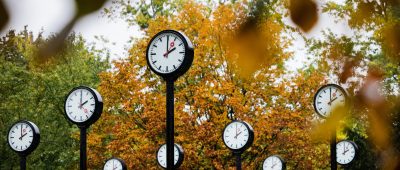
272 163
162 155
166 53
80 105
236 135
20 137
345 152
328 98
113 164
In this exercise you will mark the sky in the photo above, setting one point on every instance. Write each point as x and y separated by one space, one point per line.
50 16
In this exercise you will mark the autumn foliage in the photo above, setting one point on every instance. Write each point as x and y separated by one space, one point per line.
228 71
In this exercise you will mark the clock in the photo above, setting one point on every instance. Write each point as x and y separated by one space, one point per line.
238 136
23 137
83 106
114 164
346 151
327 98
169 54
162 156
274 162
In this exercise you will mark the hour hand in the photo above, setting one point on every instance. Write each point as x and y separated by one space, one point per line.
84 103
169 51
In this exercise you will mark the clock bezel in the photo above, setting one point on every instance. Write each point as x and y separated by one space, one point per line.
124 167
249 141
355 152
187 60
35 140
280 158
346 102
98 109
180 159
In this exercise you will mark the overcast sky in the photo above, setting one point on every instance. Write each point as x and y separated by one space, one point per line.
51 15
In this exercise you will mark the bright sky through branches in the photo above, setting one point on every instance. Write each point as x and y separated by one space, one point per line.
50 16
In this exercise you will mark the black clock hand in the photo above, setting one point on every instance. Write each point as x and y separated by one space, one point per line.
166 54
23 135
20 138
84 103
80 100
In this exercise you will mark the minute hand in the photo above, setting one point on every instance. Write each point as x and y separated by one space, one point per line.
166 54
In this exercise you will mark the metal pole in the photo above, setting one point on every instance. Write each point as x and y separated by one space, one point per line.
22 163
83 149
170 124
333 150
238 162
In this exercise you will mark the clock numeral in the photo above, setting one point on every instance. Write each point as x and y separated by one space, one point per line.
159 68
154 46
91 98
180 44
12 137
153 53
167 68
179 60
175 39
181 52
30 141
154 62
12 143
174 66
91 104
160 39
69 106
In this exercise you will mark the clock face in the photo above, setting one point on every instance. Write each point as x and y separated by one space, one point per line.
273 163
20 136
166 53
80 105
328 98
345 152
162 155
236 135
113 164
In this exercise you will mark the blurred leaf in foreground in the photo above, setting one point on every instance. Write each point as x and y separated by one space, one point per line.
56 44
303 13
3 15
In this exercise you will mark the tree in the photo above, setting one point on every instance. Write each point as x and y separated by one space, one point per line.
36 92
222 76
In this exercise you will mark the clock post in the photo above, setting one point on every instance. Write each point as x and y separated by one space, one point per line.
170 54
23 138
83 106
325 100
82 150
170 123
237 136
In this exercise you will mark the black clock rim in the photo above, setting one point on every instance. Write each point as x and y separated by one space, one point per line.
355 154
322 87
248 143
180 159
35 140
280 158
187 61
124 167
98 109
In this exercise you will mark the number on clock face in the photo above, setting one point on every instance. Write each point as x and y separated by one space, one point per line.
113 164
236 135
162 155
328 98
166 53
20 137
345 152
272 163
80 105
